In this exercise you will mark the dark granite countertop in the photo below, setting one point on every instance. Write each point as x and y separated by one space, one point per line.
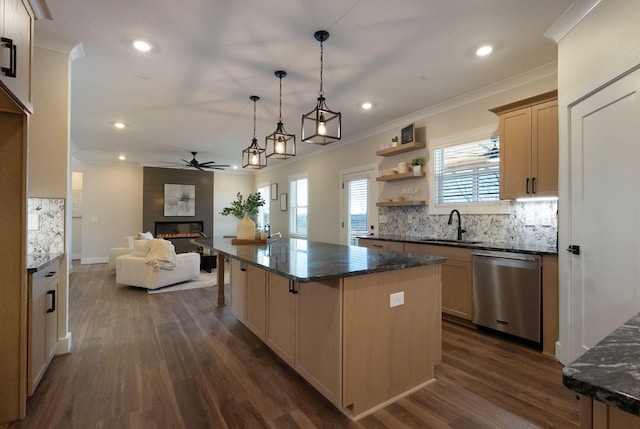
476 245
308 261
39 261
610 371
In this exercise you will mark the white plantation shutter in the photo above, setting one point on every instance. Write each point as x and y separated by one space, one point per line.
467 173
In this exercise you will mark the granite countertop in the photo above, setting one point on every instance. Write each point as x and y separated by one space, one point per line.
476 245
39 261
308 261
610 371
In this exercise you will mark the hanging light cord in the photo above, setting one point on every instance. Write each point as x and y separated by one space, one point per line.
321 93
280 115
254 119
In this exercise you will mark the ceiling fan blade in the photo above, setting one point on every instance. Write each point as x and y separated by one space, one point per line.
185 161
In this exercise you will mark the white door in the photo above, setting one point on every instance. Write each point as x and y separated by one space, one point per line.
604 210
360 216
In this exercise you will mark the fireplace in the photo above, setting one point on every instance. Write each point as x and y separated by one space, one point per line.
170 230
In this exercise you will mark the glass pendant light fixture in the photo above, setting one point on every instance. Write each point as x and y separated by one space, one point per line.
254 156
280 144
321 125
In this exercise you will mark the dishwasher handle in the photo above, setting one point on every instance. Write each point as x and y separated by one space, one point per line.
507 255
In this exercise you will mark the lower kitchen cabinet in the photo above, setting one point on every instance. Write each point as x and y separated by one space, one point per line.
255 311
281 317
456 277
237 289
597 415
42 323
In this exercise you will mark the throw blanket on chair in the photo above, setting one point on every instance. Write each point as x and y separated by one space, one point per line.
162 254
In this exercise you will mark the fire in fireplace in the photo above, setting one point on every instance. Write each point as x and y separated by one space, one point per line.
178 229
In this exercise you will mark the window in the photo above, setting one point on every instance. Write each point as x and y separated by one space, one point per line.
263 212
299 206
467 173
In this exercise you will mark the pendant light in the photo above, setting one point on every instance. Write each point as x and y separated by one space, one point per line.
254 156
280 144
321 125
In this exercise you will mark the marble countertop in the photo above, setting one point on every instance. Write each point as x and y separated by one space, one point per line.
476 245
308 261
610 371
39 261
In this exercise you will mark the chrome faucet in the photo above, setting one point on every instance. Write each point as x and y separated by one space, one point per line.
460 230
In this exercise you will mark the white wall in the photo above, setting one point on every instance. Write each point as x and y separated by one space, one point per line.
461 115
225 187
112 207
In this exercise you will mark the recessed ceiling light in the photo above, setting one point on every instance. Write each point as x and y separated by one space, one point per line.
366 105
122 157
235 167
119 125
142 46
484 50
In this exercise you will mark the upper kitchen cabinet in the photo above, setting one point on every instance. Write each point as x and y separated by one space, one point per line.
529 147
16 30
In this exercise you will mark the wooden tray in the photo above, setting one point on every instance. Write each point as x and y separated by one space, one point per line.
239 242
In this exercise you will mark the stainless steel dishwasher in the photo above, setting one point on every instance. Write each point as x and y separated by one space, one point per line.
507 293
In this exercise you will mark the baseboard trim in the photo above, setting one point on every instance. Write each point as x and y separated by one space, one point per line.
64 345
101 260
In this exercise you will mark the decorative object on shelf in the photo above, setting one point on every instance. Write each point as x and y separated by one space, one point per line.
408 134
283 202
403 167
246 210
179 200
274 191
321 125
280 144
254 156
394 141
416 164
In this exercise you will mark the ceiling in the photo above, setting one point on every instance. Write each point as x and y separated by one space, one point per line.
191 92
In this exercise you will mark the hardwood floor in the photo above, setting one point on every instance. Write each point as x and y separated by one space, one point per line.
174 360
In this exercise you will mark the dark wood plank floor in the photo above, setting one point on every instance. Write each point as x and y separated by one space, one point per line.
174 360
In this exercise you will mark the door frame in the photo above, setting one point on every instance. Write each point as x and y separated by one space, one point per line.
371 169
611 74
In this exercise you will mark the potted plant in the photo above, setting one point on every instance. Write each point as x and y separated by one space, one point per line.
416 164
247 211
394 141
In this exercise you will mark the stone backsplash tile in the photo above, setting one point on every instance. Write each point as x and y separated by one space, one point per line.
45 232
490 228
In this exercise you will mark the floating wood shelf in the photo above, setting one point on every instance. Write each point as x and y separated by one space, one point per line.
400 203
399 176
407 147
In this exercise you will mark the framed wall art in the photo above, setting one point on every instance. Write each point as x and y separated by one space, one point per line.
179 200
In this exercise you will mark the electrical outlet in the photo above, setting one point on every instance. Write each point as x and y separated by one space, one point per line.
530 219
410 219
546 219
396 299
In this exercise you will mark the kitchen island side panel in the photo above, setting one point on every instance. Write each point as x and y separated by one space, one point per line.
390 351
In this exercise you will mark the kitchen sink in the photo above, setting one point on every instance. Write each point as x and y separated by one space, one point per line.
446 240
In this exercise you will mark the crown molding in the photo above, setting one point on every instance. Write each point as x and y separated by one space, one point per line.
47 40
570 18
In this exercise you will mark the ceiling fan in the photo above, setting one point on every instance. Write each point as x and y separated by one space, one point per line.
197 165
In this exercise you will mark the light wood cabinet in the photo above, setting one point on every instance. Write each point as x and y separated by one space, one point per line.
13 286
597 415
255 311
393 246
529 147
237 289
42 323
456 277
281 317
16 30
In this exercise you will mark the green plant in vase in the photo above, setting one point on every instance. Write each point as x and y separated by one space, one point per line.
247 211
416 164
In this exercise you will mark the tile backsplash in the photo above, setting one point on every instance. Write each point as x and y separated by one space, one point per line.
45 225
529 222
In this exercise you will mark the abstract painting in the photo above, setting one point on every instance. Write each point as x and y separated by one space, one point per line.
179 200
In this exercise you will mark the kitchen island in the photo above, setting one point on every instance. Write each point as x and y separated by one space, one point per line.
606 377
362 326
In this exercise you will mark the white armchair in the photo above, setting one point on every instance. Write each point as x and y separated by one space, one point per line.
126 249
133 269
